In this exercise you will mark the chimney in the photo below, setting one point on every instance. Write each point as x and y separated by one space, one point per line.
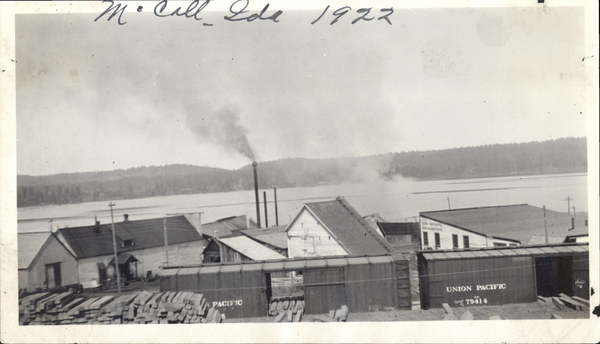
96 225
254 164
125 217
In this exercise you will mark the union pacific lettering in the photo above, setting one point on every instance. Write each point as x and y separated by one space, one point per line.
458 289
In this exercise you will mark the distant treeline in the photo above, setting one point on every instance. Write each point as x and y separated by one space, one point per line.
555 156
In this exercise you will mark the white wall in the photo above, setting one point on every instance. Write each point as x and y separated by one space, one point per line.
307 238
150 259
53 252
446 231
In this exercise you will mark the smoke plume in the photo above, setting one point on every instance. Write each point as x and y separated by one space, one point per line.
222 127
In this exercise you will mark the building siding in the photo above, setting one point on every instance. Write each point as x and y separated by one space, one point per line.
150 259
446 231
52 253
308 238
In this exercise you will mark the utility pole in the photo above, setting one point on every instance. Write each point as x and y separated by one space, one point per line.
574 213
266 216
166 241
449 204
568 199
545 226
112 225
50 225
276 212
200 221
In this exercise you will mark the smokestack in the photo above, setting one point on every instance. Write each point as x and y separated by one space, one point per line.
254 164
125 217
266 214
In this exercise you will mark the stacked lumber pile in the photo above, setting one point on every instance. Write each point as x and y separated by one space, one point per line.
287 309
563 301
135 308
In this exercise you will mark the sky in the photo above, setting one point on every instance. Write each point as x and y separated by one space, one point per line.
94 96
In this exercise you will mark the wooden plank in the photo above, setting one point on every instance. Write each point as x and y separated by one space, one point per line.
467 315
558 303
279 317
73 303
216 318
450 316
289 315
544 299
447 308
495 317
343 315
298 317
555 316
323 318
571 303
103 301
581 300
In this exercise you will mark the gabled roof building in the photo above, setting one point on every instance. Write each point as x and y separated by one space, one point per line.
332 228
142 239
44 262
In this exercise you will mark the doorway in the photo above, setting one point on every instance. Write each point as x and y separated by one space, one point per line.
554 275
53 277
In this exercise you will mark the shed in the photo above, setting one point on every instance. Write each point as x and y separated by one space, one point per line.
274 238
497 276
401 236
44 262
237 248
241 290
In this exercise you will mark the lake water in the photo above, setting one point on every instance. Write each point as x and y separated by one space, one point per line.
397 200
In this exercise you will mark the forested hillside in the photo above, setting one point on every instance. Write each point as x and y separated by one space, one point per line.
555 156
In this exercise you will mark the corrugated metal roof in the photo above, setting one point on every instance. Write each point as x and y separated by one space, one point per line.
495 252
291 264
92 241
210 269
188 271
231 268
540 239
274 236
351 229
518 222
226 225
169 272
399 228
29 244
294 264
251 248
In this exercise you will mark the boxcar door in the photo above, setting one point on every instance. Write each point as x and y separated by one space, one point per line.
324 290
581 276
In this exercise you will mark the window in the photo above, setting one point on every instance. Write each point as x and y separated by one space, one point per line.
454 241
127 242
437 240
466 241
425 239
499 244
